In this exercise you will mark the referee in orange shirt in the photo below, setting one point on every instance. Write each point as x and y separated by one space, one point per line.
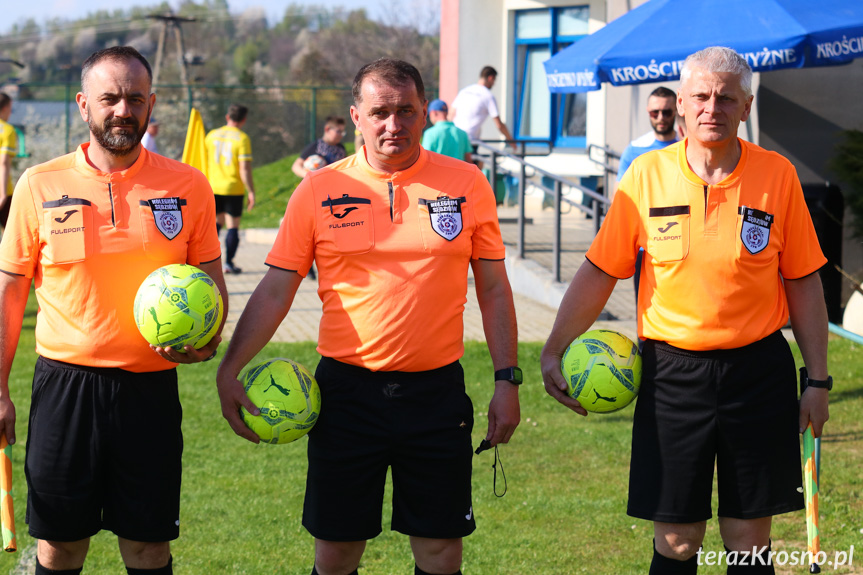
392 230
730 254
104 448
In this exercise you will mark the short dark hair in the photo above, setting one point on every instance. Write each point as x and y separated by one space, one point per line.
663 92
391 71
237 112
5 100
487 72
113 53
334 121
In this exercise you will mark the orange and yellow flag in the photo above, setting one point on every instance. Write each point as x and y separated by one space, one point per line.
194 152
810 492
7 509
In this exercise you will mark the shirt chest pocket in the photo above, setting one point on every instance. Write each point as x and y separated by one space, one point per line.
68 223
349 224
668 233
442 224
163 233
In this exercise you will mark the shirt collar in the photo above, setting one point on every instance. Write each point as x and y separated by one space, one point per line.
82 165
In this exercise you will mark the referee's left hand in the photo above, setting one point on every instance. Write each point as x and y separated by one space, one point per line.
191 354
504 413
813 408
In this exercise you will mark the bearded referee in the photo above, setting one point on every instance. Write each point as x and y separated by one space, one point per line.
730 255
392 230
104 444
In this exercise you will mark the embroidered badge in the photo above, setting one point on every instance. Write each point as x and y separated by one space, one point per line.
167 215
755 232
445 214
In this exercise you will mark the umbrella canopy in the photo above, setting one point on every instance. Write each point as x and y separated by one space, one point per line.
650 43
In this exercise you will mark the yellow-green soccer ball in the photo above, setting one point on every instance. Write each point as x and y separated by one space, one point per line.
603 370
287 395
178 305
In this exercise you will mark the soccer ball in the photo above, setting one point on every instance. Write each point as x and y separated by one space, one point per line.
287 395
178 305
603 370
314 162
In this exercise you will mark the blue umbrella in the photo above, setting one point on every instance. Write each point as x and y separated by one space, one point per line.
650 43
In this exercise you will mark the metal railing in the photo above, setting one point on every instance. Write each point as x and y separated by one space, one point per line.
596 203
605 162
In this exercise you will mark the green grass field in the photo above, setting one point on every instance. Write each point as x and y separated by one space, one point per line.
564 511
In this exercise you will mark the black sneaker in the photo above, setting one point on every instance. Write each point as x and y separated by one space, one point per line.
230 268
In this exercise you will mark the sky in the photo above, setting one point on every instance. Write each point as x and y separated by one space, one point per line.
16 10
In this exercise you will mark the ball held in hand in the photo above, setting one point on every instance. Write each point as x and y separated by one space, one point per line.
602 369
287 395
178 305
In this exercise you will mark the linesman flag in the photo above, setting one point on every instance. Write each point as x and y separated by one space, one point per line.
7 509
810 489
194 152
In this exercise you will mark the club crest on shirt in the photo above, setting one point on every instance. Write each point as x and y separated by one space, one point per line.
755 232
445 214
167 215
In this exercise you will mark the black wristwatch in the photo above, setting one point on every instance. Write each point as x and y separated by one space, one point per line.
510 374
805 381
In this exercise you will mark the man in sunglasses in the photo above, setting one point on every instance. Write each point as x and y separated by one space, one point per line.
662 110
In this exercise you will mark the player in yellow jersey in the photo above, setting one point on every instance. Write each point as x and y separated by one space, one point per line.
229 167
8 150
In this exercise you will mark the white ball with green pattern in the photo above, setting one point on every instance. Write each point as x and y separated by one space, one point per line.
287 395
602 369
178 305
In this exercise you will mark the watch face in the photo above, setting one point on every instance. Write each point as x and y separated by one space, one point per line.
517 376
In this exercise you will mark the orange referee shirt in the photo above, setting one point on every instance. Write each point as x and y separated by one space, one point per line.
90 238
715 255
393 252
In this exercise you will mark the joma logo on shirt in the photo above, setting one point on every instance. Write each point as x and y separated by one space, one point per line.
344 213
66 217
667 227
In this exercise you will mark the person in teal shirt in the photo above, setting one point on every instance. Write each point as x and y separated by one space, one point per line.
443 137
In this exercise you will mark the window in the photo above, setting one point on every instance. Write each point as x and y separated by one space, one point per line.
539 115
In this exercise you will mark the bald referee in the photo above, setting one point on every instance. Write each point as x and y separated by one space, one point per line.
730 255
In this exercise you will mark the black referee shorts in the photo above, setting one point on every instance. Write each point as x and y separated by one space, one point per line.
104 451
417 423
735 410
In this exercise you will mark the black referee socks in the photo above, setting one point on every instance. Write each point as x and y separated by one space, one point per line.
315 571
166 570
41 570
662 565
418 571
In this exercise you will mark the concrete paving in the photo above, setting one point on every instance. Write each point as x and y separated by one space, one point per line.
536 295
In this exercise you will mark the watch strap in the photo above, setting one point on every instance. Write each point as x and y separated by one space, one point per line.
510 374
806 381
